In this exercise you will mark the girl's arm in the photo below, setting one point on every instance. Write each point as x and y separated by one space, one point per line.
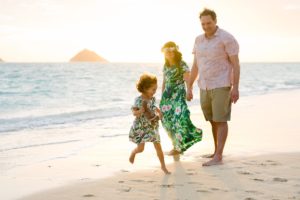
137 112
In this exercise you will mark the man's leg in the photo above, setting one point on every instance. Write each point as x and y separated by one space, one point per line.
222 132
214 130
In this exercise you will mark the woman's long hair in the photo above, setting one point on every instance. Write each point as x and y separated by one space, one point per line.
178 54
177 59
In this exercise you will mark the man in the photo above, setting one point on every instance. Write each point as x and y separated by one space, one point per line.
217 63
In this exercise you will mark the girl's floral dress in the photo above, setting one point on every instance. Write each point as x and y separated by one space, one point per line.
142 130
176 115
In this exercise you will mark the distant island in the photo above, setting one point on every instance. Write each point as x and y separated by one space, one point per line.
87 56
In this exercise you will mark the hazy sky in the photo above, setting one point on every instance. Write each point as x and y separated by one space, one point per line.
135 30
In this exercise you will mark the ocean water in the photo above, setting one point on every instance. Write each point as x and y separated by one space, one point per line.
44 104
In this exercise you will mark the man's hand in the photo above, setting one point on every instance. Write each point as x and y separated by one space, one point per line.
234 94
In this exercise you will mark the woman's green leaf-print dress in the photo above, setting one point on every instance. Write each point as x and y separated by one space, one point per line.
176 115
142 130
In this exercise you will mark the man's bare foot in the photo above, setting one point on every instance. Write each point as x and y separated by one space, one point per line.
131 158
165 170
208 156
173 152
214 161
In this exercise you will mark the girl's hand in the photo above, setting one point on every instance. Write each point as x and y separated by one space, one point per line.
160 115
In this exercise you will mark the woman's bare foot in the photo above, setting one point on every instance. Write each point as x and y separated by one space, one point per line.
131 158
173 152
165 170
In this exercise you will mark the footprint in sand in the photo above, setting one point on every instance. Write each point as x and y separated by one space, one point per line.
190 174
218 189
170 185
271 162
123 170
121 181
258 179
204 191
244 173
196 183
253 192
280 179
125 189
151 181
138 180
167 186
249 198
190 170
88 195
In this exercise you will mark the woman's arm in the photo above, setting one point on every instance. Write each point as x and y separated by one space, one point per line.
163 85
186 78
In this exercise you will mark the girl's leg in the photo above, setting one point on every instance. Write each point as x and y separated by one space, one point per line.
161 157
138 149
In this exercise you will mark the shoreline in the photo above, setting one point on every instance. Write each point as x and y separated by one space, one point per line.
261 125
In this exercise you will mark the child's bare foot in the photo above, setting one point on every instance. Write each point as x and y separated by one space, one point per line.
165 170
131 158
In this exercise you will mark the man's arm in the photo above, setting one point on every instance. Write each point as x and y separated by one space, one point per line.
193 76
236 77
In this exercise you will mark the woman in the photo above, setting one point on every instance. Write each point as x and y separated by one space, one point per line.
176 115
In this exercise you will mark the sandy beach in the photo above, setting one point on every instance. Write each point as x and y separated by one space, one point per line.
261 161
260 177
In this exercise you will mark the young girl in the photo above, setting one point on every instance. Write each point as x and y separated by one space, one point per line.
145 125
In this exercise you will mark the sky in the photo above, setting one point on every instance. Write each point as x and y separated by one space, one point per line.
135 30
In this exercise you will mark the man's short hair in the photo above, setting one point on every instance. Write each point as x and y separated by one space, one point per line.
206 12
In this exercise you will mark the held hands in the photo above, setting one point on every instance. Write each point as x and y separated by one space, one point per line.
189 94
